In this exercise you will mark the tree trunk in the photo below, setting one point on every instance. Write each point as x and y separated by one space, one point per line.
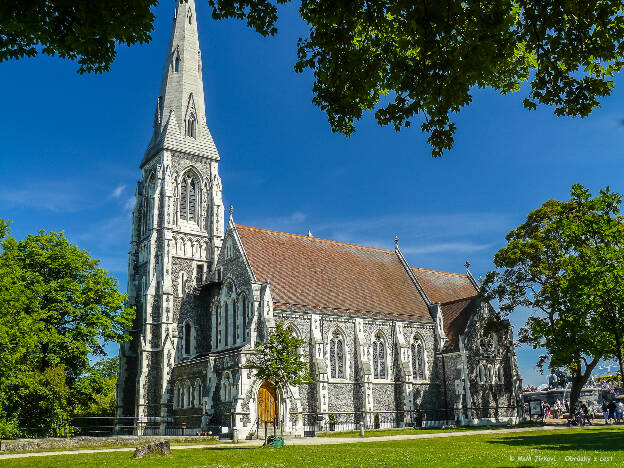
579 379
618 347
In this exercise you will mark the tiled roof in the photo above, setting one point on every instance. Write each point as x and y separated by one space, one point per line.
332 276
440 286
456 315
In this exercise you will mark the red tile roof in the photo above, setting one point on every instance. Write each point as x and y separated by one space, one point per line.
336 277
441 286
456 315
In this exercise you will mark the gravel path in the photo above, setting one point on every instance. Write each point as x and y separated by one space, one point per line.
296 441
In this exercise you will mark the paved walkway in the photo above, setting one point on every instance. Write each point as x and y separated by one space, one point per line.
298 441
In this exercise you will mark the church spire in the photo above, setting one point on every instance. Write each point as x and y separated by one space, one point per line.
180 115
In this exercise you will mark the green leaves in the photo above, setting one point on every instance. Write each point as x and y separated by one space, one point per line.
57 307
566 263
420 60
83 30
279 360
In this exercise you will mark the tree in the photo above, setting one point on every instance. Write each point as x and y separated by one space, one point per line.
278 360
57 308
566 264
86 30
405 60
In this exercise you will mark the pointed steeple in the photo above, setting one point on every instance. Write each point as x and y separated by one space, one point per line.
180 115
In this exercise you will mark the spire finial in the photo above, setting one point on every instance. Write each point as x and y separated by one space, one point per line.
396 240
467 265
310 233
231 210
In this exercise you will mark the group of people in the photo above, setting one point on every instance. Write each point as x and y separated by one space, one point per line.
612 412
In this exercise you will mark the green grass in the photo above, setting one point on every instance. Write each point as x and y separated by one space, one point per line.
517 449
113 445
412 431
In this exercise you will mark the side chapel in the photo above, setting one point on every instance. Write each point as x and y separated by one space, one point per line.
386 340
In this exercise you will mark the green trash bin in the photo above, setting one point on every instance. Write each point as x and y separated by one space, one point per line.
275 441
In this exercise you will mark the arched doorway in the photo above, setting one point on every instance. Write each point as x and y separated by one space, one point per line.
267 403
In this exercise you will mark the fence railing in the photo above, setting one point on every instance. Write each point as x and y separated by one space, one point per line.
313 423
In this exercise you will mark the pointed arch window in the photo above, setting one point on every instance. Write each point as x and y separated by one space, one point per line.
190 199
188 332
225 328
243 302
418 359
337 355
191 125
379 356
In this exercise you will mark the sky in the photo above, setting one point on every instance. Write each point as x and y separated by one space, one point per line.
72 144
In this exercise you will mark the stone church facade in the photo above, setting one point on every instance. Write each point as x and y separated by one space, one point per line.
387 343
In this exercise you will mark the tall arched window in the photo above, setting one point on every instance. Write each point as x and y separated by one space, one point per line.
234 322
226 327
176 62
191 126
189 198
243 302
337 355
188 331
418 359
379 356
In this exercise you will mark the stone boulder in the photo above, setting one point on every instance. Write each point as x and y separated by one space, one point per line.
159 448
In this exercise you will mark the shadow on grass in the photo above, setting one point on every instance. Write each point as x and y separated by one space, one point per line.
600 440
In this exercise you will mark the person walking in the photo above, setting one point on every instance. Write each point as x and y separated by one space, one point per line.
620 411
612 408
585 411
605 412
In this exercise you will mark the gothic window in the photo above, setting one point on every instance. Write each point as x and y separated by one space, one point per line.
191 125
226 312
481 374
243 302
188 331
337 355
176 62
197 394
379 357
176 395
189 198
234 322
192 200
199 275
418 359
500 374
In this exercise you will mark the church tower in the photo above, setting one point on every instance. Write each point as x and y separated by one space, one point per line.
177 230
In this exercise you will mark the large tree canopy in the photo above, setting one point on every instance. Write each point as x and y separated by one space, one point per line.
57 308
407 61
566 264
85 30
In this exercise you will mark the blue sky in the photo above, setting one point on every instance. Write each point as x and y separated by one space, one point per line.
71 146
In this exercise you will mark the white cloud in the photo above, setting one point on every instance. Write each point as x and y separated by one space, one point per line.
116 193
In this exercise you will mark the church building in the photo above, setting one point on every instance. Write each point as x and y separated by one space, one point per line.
388 344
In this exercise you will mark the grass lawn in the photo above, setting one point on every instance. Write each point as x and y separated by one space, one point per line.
600 447
412 431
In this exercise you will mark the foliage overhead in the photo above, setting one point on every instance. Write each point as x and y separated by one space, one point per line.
57 307
84 30
407 61
279 359
566 264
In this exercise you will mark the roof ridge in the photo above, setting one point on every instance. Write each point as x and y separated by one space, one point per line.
329 241
459 300
463 275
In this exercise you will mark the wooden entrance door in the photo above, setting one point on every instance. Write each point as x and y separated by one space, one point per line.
267 403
